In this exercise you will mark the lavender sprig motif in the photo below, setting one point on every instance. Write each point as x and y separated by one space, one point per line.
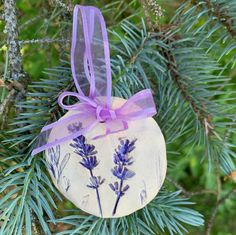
122 159
89 161
54 164
66 183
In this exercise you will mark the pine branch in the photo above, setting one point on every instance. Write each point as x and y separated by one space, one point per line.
172 78
187 193
175 215
44 41
132 57
61 4
16 72
210 222
173 209
147 15
151 7
222 16
182 85
213 25
7 101
26 200
15 60
203 28
139 60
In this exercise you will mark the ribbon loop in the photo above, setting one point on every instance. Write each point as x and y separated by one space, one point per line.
90 56
91 71
67 95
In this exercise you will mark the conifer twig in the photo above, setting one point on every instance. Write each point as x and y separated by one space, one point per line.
222 17
43 41
214 212
5 104
61 4
16 73
151 6
188 193
147 15
172 66
15 60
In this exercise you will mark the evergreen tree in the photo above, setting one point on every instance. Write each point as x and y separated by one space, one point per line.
188 60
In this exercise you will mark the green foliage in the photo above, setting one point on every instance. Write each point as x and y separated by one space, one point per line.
33 188
189 68
197 93
165 213
213 26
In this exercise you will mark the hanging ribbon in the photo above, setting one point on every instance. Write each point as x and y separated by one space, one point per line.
91 71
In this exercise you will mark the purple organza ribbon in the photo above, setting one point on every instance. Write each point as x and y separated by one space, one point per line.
91 70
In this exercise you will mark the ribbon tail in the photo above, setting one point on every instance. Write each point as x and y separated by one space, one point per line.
139 106
61 133
64 121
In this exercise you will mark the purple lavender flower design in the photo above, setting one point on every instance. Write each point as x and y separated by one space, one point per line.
74 127
54 164
122 159
89 160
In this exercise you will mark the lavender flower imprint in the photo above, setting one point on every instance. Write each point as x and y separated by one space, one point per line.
122 160
66 183
89 161
54 164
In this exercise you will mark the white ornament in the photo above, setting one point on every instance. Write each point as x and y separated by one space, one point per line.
112 176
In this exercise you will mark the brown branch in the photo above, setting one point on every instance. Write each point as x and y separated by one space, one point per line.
217 192
65 32
187 193
214 212
203 117
15 60
4 107
172 67
146 13
19 80
16 74
151 7
61 4
44 41
222 17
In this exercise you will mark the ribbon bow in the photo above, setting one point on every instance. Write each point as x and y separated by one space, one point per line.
91 71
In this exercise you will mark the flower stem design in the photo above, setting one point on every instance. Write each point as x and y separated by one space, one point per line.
89 161
55 165
66 182
122 159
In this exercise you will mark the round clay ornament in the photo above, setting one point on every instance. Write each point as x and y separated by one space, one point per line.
112 176
106 155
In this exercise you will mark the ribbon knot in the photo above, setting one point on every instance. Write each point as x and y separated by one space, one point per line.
91 71
104 114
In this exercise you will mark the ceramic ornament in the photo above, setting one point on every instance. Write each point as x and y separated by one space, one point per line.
106 154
